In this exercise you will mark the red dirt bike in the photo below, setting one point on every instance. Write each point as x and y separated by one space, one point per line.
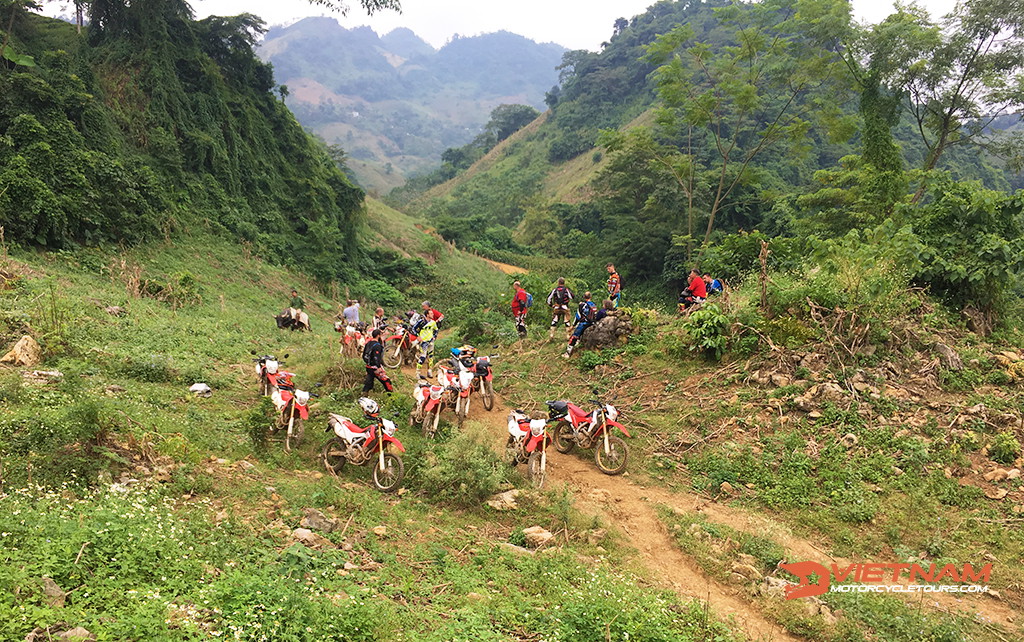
429 401
483 380
401 347
528 441
353 338
458 381
360 446
265 366
293 409
577 427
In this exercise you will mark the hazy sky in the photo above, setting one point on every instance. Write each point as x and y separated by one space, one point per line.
576 24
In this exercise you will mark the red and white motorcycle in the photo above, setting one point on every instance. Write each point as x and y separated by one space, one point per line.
528 441
360 446
458 379
266 365
401 346
353 339
483 380
292 407
577 427
429 400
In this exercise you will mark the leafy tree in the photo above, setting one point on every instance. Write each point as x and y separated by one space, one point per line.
755 95
508 119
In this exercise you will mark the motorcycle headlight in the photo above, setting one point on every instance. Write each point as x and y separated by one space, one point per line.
271 367
537 427
389 427
435 392
301 397
611 412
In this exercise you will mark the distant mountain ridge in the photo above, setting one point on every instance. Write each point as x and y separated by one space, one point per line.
393 102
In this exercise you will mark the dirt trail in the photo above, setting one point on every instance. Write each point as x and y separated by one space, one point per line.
505 267
632 508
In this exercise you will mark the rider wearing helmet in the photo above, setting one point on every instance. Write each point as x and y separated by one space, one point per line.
427 334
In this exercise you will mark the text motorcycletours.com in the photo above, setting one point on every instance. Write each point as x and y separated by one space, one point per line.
883 578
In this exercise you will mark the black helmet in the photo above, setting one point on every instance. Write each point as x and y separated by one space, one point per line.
557 409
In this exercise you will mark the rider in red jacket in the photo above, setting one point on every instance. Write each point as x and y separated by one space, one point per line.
519 307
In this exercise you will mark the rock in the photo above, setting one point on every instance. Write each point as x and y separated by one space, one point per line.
780 380
473 596
537 536
349 566
519 550
77 634
814 414
774 587
304 535
747 571
995 595
43 376
380 531
830 391
25 353
115 310
749 560
736 578
316 521
599 495
597 536
113 390
612 330
976 409
950 358
246 465
504 501
849 440
996 493
1013 473
997 475
200 390
896 470
54 594
727 488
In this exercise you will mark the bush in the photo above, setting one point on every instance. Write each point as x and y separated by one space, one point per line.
708 329
1005 449
464 470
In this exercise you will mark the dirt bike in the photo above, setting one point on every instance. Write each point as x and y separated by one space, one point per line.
483 380
577 427
266 365
429 401
359 446
293 410
400 348
353 338
528 441
460 383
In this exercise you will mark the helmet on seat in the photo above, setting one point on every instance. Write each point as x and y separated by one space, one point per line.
369 406
557 409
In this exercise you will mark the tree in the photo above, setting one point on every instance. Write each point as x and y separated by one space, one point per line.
508 119
370 6
758 94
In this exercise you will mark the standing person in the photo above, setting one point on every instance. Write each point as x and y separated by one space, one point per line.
426 307
295 305
520 305
427 334
351 312
379 321
373 357
559 300
614 284
587 315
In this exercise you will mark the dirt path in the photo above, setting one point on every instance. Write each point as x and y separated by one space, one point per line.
632 508
505 267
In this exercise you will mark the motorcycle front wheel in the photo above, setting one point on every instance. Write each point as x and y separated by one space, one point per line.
295 438
387 479
332 457
430 422
393 355
614 461
533 470
487 392
564 439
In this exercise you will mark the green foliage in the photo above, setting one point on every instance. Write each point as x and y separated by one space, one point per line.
1005 448
462 471
708 330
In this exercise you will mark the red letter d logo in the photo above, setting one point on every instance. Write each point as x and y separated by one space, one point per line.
804 570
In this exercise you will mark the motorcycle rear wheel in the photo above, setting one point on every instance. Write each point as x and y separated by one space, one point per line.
330 455
534 471
565 442
487 392
390 477
614 462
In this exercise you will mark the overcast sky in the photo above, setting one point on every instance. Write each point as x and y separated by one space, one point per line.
576 24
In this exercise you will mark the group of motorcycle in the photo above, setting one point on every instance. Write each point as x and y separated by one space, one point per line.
350 443
457 379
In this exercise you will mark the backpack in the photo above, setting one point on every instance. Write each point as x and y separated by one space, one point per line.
529 300
561 295
588 311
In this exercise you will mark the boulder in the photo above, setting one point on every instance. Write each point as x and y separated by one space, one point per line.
537 536
77 634
25 353
613 330
504 501
314 520
997 475
115 310
746 571
54 594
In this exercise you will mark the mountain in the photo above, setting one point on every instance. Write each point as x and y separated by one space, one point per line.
393 102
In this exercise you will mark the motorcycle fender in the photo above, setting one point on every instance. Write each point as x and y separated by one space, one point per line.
534 443
392 440
303 412
619 426
490 376
431 404
465 392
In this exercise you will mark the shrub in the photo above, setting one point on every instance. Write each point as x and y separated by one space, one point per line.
1005 449
464 470
708 330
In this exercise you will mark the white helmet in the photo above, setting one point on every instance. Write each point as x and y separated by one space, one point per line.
368 405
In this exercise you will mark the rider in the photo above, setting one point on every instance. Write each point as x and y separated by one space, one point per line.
295 305
373 357
352 312
698 290
519 308
559 300
714 285
427 333
379 321
587 315
426 307
614 284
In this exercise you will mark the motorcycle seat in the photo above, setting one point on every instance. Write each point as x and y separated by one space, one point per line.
578 412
